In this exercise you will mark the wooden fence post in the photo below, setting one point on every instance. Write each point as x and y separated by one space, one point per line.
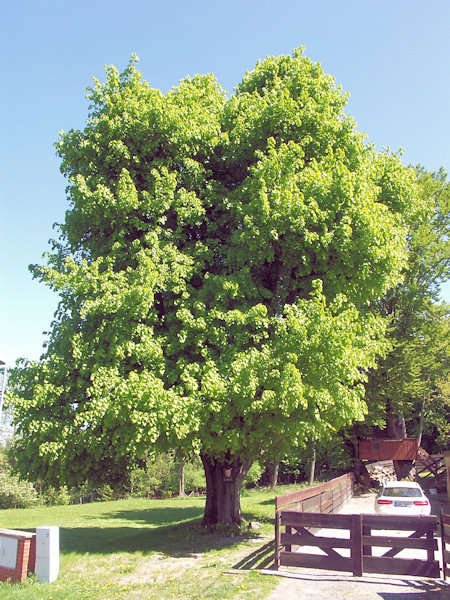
356 547
445 538
430 552
277 540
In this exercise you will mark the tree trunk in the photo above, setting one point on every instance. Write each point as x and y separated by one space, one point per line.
223 489
360 471
422 415
312 469
404 469
403 425
391 422
276 468
362 476
181 480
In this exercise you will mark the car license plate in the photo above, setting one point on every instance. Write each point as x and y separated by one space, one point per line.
402 504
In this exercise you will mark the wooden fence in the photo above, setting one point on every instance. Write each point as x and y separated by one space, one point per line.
357 546
445 540
325 498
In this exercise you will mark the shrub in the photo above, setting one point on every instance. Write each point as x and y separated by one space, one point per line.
106 493
55 496
161 474
15 493
254 474
143 484
161 477
155 479
194 476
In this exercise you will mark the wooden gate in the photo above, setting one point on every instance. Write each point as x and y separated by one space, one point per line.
354 550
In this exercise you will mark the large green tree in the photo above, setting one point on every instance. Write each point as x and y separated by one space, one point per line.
216 269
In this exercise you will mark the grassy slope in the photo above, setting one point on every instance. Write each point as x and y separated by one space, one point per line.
152 549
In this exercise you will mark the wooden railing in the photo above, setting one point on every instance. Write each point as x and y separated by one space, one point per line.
326 497
430 469
433 463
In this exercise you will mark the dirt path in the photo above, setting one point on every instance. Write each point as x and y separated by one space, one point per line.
300 583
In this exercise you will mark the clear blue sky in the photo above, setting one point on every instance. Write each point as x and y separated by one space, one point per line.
391 55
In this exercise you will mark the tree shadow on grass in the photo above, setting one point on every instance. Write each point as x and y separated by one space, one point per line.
269 502
157 516
173 532
261 558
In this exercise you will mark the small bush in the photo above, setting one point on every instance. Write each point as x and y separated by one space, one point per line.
143 484
254 474
55 496
15 493
106 493
161 477
194 477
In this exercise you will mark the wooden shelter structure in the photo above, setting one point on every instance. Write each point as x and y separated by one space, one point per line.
431 471
388 449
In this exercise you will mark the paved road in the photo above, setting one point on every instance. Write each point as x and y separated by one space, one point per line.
321 585
299 583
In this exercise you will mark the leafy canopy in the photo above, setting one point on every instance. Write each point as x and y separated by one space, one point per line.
216 267
413 377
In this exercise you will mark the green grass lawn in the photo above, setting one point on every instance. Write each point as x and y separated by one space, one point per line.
152 549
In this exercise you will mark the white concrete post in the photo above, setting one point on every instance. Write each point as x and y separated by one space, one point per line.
47 554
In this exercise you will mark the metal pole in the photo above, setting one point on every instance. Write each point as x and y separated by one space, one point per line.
2 364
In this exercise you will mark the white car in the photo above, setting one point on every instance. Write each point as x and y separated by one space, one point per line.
402 498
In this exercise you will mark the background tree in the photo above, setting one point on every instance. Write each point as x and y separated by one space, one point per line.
216 269
410 378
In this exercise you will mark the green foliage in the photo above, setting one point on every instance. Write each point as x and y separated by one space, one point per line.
411 379
55 496
194 477
4 459
105 493
15 493
18 493
160 477
254 474
162 473
217 269
436 420
333 457
142 484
